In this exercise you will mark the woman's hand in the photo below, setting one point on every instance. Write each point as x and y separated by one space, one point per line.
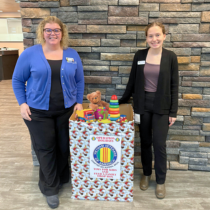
171 121
25 111
78 107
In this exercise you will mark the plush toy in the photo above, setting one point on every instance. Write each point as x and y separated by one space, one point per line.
95 101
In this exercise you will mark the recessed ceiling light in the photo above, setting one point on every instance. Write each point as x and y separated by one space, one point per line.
1 11
18 10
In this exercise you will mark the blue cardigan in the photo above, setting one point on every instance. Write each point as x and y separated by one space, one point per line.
33 67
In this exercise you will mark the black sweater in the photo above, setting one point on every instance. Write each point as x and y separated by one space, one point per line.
166 96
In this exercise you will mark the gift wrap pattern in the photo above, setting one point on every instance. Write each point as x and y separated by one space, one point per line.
86 188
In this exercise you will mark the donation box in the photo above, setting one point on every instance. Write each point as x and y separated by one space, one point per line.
102 158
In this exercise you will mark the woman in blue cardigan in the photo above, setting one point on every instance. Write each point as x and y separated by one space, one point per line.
54 89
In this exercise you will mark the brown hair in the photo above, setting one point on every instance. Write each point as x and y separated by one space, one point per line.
155 24
52 19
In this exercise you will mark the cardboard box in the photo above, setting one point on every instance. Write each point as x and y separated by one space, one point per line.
85 187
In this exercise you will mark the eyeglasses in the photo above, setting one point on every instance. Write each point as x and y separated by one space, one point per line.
49 31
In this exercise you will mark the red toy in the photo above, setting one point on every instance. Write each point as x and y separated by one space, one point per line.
122 119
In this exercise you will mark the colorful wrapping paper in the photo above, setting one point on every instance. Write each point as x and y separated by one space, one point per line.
86 188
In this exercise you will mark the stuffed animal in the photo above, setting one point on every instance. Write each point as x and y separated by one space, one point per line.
95 101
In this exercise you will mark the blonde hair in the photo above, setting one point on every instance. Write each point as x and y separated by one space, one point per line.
155 24
52 19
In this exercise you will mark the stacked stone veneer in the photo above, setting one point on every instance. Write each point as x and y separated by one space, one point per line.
107 33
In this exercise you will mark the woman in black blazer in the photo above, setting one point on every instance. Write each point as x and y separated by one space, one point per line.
153 83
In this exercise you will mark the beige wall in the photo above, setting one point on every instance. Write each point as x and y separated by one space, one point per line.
17 45
10 15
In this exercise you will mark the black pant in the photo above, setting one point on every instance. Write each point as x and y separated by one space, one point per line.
49 132
153 129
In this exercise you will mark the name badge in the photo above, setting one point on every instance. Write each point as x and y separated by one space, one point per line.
141 62
69 60
137 118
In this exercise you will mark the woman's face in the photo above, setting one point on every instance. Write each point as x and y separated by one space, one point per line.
52 34
155 37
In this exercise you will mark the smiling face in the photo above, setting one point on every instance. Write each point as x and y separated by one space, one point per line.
155 37
52 39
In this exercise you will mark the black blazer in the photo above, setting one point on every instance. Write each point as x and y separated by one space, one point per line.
166 96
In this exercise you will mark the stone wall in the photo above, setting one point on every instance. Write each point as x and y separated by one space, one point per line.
107 33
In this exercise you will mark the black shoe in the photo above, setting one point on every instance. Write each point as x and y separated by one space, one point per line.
60 186
53 201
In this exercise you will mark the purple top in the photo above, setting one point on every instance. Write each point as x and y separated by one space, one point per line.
151 74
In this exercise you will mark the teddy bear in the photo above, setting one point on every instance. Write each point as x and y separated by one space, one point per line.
95 101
